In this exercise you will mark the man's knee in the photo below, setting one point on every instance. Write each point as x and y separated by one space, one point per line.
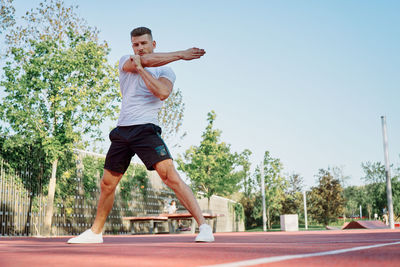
109 181
166 170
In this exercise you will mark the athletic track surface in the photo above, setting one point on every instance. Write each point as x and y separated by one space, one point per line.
312 248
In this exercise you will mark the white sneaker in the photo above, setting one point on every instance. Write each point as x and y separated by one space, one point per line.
205 234
87 237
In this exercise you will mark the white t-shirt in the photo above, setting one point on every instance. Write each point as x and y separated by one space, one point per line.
139 105
171 209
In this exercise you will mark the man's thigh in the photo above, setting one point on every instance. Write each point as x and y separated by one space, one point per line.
151 148
119 154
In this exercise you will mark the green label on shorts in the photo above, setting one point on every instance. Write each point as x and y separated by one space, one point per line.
161 151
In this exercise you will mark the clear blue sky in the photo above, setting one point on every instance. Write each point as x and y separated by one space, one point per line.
306 80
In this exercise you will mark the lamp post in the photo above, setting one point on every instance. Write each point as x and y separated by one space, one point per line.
387 171
305 209
263 197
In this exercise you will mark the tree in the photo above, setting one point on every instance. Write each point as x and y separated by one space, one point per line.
248 182
211 167
375 179
275 184
354 197
26 162
7 14
251 200
396 197
135 177
171 116
252 208
292 203
250 196
338 173
326 199
374 172
59 86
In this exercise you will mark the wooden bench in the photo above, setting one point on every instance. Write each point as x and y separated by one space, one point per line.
170 218
188 216
153 220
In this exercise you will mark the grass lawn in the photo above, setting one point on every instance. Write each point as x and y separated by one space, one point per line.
277 227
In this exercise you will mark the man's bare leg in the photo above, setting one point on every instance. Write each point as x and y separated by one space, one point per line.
108 185
171 178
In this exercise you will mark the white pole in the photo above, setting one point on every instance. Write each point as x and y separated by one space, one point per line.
305 209
360 213
263 197
387 169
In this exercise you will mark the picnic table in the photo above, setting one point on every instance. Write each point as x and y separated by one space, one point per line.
188 216
155 220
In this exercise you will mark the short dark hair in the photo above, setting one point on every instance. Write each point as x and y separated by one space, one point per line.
141 31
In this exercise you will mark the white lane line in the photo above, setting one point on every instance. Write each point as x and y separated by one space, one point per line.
290 257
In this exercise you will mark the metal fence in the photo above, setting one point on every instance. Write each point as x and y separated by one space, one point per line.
16 201
23 204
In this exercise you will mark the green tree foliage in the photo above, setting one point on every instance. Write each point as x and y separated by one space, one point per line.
375 180
275 185
252 209
7 13
58 94
275 188
354 197
396 197
171 116
326 199
338 173
248 183
374 172
136 177
93 168
250 198
58 85
211 167
67 179
293 198
372 195
26 161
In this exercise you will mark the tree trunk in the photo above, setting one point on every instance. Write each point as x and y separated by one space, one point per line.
369 208
33 194
29 213
50 200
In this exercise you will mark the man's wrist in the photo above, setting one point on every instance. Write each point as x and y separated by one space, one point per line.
139 68
137 60
180 54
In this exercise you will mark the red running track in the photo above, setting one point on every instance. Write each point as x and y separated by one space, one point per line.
314 248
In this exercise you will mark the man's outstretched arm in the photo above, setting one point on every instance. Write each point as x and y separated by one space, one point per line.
160 59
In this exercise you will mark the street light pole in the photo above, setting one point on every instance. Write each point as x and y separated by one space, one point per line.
387 171
263 197
305 209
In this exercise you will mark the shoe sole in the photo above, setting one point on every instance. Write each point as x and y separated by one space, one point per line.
77 242
84 242
204 241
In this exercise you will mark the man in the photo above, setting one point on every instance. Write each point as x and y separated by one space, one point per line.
145 82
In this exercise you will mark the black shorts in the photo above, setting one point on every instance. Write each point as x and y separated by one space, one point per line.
144 140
